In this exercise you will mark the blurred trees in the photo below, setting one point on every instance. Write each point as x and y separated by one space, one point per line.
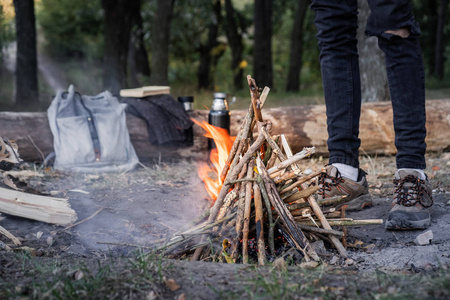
207 44
26 61
161 38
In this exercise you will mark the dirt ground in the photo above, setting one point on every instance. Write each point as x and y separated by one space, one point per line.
142 207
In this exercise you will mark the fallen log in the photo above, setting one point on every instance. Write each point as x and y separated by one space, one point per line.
40 208
303 126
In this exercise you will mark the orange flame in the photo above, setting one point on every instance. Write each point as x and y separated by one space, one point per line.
210 173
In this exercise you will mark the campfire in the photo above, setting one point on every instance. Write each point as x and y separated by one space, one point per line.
264 202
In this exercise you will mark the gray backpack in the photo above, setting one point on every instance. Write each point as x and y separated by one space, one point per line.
90 133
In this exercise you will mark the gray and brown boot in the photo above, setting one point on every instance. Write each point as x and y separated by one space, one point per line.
412 200
332 184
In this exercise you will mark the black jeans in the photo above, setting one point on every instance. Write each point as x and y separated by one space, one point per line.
336 22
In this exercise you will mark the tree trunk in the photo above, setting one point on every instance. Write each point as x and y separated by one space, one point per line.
235 42
160 42
118 20
262 48
440 39
374 85
211 51
295 57
138 64
26 64
304 126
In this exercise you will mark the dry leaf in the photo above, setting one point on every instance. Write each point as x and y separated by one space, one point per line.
151 296
78 275
7 180
181 297
39 234
172 285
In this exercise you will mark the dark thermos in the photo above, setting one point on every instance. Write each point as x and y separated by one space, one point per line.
219 115
188 105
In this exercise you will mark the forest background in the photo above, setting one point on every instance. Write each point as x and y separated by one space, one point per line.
196 46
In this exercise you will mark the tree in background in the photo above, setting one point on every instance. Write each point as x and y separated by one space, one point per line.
118 22
211 50
296 48
442 20
234 28
262 48
26 63
138 64
160 42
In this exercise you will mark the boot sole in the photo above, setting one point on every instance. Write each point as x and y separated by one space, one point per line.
398 220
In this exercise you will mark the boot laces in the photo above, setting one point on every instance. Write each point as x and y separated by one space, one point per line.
326 182
409 196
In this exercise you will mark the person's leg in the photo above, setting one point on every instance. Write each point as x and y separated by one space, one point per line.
393 23
336 23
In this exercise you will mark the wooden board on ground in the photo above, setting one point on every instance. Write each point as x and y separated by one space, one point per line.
40 208
145 91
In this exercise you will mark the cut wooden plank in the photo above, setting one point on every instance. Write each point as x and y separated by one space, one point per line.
145 91
40 208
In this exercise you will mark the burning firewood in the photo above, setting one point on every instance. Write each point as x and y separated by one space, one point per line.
263 200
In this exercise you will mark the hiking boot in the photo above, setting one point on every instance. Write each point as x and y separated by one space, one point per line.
332 184
412 200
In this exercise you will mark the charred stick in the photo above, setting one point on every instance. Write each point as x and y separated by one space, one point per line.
269 215
255 95
292 229
259 221
247 210
321 230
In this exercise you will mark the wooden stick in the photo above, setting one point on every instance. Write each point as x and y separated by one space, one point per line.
82 221
233 174
302 180
259 221
292 160
294 232
348 222
344 229
273 144
321 230
302 194
255 95
10 236
321 202
247 210
270 235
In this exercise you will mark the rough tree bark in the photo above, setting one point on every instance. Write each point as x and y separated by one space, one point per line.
138 64
442 16
26 63
160 42
296 50
211 51
235 41
262 50
374 85
118 21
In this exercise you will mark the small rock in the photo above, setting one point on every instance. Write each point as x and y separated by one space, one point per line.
280 264
319 247
40 252
349 262
334 260
309 265
424 238
172 284
49 240
152 296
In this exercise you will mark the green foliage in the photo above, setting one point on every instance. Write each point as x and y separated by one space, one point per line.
72 28
6 32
